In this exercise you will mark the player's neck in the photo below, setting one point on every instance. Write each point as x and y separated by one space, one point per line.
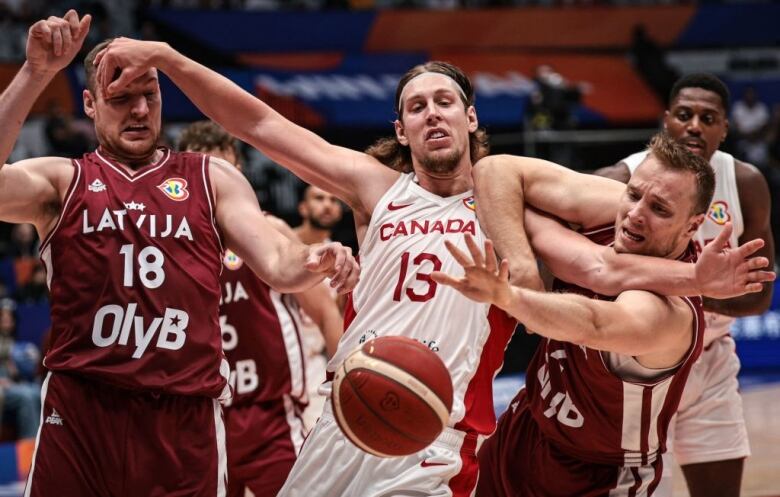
133 163
445 185
308 234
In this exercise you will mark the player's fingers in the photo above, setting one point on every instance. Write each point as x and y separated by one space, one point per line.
757 263
761 276
491 262
56 37
445 279
749 248
503 270
476 252
753 287
72 18
720 241
351 279
457 254
41 30
67 39
83 28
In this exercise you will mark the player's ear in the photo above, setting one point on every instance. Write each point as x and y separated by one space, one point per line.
400 133
89 103
694 223
471 115
667 116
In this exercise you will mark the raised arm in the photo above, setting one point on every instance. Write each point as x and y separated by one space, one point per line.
356 178
29 190
756 203
286 265
577 198
572 257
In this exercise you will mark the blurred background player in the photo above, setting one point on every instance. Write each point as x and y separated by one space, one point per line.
263 342
320 212
132 242
710 438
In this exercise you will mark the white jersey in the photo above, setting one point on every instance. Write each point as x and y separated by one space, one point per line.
725 207
404 243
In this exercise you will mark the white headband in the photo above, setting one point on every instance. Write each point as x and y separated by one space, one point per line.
428 73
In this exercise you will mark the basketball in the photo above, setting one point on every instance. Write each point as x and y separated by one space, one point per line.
392 396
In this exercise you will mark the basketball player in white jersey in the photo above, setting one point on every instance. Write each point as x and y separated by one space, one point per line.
710 439
320 211
403 215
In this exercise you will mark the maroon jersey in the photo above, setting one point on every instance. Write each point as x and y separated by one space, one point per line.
260 336
591 412
133 269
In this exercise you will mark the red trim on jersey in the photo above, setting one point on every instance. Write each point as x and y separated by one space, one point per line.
463 484
141 171
478 400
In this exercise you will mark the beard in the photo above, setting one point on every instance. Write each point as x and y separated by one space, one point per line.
441 163
317 223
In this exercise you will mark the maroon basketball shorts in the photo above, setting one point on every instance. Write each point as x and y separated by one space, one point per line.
263 441
97 440
519 461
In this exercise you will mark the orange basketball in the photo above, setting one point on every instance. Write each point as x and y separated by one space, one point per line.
392 396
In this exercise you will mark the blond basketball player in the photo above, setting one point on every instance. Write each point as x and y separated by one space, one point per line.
403 216
710 438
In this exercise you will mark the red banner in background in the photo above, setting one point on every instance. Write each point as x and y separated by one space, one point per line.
533 27
58 92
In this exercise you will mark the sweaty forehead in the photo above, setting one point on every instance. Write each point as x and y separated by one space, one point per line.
698 97
428 83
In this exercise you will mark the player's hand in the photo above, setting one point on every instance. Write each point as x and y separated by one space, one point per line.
730 272
126 57
485 280
335 261
54 42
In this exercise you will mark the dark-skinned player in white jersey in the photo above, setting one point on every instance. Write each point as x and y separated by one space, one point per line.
132 240
709 435
403 215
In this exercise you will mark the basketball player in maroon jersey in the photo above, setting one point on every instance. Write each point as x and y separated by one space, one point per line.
426 187
261 337
132 237
605 382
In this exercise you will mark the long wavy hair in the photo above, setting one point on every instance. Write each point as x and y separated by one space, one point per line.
391 153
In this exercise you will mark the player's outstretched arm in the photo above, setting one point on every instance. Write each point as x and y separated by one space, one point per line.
637 323
286 265
572 257
317 302
356 178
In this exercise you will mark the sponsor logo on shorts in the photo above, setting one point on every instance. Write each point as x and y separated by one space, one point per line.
54 418
96 186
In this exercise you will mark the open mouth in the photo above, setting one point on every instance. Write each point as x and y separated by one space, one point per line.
436 134
695 146
136 128
633 236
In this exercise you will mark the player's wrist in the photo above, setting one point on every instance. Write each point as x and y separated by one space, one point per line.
38 73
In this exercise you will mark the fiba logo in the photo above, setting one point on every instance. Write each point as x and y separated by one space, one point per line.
175 189
232 261
719 212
